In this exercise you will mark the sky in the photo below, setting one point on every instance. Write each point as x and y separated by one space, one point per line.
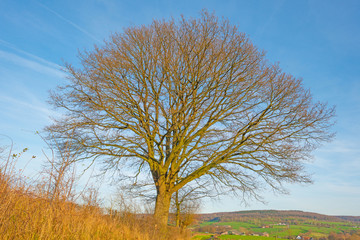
318 41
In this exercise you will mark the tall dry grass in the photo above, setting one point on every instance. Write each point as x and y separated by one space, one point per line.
45 211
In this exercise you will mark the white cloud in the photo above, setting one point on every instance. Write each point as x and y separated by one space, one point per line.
39 59
33 107
40 65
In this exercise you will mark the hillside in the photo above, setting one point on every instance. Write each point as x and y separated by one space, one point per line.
274 224
274 214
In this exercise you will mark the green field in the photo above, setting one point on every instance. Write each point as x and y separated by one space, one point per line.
246 237
290 228
236 225
202 236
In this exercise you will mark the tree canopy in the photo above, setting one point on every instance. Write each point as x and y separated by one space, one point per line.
186 100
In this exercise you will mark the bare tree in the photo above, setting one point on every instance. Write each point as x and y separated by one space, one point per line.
191 98
59 171
186 203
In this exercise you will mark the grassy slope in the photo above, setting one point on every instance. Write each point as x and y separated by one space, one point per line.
30 211
306 224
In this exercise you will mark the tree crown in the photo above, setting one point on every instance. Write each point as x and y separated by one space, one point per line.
189 100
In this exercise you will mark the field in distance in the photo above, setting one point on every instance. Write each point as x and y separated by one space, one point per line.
272 225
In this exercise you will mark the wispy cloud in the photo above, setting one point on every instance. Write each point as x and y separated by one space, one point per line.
33 106
40 65
69 22
5 43
341 146
32 56
334 187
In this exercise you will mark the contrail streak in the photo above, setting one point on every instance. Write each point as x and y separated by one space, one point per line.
69 22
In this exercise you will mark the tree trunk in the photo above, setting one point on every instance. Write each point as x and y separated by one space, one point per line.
162 206
177 206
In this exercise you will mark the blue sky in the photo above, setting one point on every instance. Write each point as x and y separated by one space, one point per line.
316 40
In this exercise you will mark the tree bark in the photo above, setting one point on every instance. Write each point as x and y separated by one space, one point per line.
177 213
162 206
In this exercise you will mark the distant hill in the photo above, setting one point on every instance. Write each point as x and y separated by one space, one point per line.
274 214
350 218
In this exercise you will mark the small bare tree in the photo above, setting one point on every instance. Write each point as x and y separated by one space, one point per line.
191 98
59 171
186 203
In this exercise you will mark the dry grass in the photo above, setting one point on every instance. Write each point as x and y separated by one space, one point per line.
29 212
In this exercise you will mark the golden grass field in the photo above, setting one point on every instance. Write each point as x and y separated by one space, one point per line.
33 211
